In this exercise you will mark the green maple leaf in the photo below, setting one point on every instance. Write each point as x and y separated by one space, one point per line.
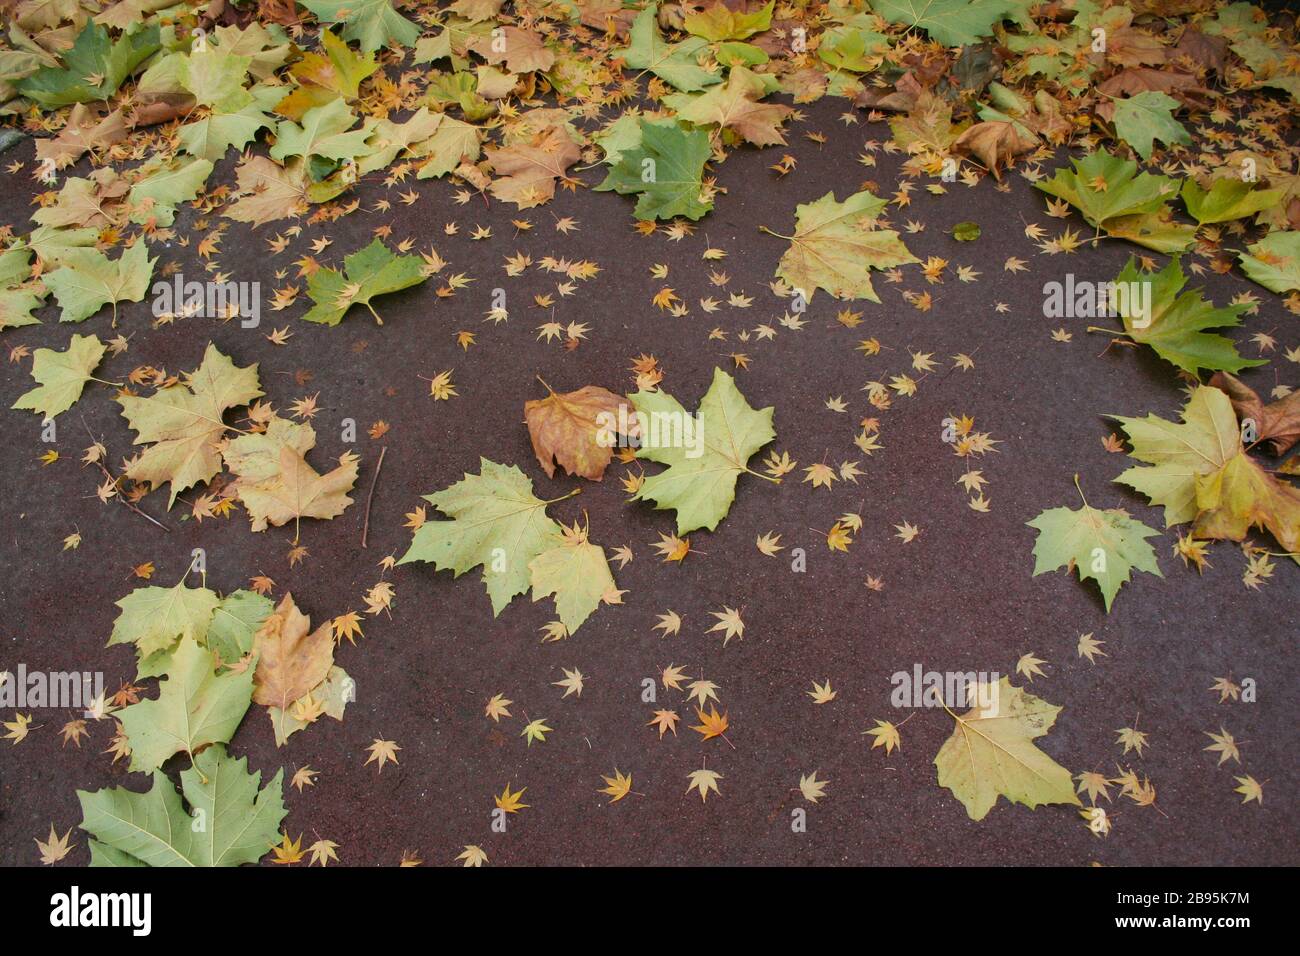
1227 199
93 68
833 247
576 572
1103 545
87 280
618 137
666 169
718 22
1113 197
61 376
165 186
1146 117
1178 320
367 273
950 22
326 131
212 137
372 23
676 63
1198 470
230 821
234 623
536 730
215 78
195 707
735 106
452 143
852 47
19 293
183 423
1104 187
991 753
155 618
497 522
1274 261
389 138
701 487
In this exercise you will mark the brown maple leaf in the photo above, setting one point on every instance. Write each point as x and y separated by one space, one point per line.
576 429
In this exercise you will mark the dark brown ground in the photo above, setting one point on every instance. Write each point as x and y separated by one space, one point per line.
960 597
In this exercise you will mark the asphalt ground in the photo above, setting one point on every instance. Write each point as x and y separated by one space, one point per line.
959 597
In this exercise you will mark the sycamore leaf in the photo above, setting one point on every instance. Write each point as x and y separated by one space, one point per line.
291 658
834 247
948 22
1146 117
325 131
87 280
576 429
1274 261
522 51
705 454
240 821
268 191
235 623
183 423
676 63
575 571
855 48
995 144
1112 196
336 72
390 139
735 106
276 484
1199 471
666 167
93 68
1277 422
497 522
718 22
19 292
212 136
194 708
367 273
215 78
373 23
528 171
1175 326
1227 199
155 618
1202 444
453 142
166 186
94 200
61 376
1103 545
991 753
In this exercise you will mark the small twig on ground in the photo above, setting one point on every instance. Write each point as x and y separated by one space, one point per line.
365 527
132 506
